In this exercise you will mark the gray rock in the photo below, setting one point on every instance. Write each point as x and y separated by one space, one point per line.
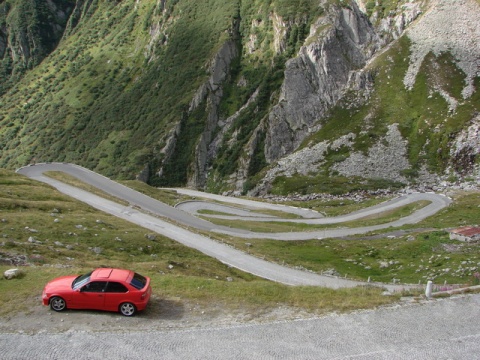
340 42
12 274
385 160
33 240
97 250
151 237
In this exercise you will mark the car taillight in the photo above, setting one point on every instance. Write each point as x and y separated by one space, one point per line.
146 293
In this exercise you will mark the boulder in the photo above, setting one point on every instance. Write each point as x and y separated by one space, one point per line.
12 274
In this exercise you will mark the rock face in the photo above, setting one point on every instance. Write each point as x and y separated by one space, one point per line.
211 92
339 43
395 23
465 150
317 80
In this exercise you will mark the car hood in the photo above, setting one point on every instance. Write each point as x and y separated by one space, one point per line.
60 284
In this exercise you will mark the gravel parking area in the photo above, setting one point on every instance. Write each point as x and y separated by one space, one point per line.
435 329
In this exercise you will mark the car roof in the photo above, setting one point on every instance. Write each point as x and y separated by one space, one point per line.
110 274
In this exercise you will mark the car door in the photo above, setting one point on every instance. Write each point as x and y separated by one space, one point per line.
90 296
115 294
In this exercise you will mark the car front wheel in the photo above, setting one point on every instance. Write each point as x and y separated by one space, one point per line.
57 304
127 309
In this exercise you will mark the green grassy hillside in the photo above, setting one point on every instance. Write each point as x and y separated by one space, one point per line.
109 85
99 99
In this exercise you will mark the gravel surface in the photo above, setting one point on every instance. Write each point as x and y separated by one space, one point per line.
459 34
434 329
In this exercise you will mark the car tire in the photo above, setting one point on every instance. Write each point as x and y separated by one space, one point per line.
127 309
57 303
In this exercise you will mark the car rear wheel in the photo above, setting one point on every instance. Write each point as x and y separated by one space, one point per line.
128 309
57 304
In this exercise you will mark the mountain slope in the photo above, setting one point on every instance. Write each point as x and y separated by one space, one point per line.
409 115
252 95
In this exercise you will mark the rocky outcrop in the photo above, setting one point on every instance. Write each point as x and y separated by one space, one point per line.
386 159
81 8
225 126
340 42
210 93
465 150
313 84
392 26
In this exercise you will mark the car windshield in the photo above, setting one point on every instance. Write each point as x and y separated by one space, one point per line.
81 280
138 281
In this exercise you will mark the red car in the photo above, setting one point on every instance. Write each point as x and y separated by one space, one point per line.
102 289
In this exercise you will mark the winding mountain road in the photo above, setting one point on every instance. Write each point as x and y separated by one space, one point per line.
437 202
224 253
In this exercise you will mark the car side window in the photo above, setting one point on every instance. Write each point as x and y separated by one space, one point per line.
94 286
115 287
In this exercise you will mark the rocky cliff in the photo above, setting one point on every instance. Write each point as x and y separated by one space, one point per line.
340 42
339 62
334 68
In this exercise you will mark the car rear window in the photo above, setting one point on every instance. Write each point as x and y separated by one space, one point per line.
138 281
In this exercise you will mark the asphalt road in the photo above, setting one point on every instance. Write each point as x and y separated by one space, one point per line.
433 330
437 202
212 248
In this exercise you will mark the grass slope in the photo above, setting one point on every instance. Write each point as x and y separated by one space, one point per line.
48 234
